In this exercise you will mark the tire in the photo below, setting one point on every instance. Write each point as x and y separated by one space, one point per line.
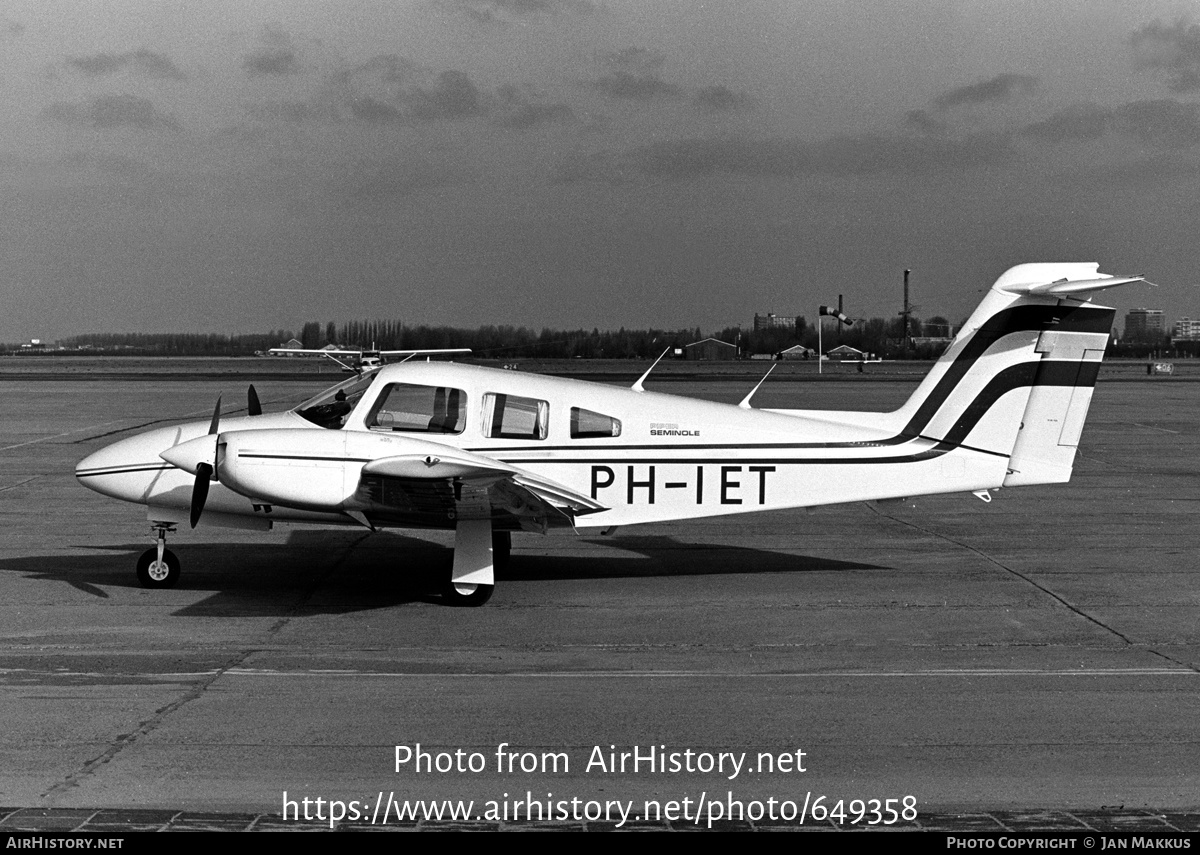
152 574
468 596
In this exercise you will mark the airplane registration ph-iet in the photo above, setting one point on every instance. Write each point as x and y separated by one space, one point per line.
488 452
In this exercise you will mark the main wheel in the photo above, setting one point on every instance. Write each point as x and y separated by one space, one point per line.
153 573
466 594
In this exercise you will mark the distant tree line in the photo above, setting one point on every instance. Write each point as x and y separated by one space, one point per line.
178 344
884 337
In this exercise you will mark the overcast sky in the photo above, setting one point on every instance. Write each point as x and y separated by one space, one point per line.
243 166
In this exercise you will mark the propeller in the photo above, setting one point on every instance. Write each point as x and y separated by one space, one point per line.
253 407
206 472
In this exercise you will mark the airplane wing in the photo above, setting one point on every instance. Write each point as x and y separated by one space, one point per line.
428 352
318 351
461 485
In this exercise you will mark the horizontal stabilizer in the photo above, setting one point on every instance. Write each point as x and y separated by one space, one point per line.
1067 286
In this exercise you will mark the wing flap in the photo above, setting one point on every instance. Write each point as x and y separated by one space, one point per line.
532 500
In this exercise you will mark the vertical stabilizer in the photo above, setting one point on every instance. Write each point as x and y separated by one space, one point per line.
1018 378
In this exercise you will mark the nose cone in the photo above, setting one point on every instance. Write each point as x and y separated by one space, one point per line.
127 469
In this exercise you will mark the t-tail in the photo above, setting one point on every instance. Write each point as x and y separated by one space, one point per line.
1018 378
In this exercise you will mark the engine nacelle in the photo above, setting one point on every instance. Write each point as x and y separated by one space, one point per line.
316 470
305 469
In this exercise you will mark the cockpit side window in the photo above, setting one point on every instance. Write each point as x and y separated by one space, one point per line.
419 409
586 424
514 417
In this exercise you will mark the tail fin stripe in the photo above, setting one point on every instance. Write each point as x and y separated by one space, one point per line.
1047 373
1016 319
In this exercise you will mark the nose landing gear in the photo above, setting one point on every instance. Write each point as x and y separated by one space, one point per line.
158 567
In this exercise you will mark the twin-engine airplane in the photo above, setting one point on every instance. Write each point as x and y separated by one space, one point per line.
487 452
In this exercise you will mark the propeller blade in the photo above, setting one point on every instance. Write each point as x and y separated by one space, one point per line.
253 407
216 419
200 491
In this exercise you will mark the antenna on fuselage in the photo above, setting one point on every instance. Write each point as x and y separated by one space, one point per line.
637 387
745 404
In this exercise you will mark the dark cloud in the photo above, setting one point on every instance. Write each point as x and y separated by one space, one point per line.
922 122
721 98
1002 87
1075 123
1174 50
453 96
634 87
113 111
274 62
143 62
520 113
1163 124
385 68
1160 124
374 112
276 56
504 11
864 154
634 74
394 91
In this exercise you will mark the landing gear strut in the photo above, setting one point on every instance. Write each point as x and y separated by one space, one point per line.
158 567
477 551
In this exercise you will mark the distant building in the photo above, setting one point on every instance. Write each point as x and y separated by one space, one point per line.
1145 325
798 351
772 321
845 351
710 348
1186 330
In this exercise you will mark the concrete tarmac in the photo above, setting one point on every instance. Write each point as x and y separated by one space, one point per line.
1034 657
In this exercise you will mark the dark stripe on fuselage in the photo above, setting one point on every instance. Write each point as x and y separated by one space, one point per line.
1012 320
123 470
243 455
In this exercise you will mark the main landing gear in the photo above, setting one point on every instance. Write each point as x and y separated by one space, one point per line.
158 567
477 550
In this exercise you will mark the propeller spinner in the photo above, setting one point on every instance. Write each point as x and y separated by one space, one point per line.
198 456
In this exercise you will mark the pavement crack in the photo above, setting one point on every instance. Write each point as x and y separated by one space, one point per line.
315 583
1173 660
125 740
1013 572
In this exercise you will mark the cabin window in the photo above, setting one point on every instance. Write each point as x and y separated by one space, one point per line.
419 409
514 417
588 425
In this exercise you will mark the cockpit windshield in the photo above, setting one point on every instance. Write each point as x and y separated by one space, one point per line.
330 408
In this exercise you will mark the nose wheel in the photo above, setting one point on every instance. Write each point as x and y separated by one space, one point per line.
158 567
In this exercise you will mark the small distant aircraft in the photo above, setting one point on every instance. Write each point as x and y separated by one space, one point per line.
487 452
364 360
